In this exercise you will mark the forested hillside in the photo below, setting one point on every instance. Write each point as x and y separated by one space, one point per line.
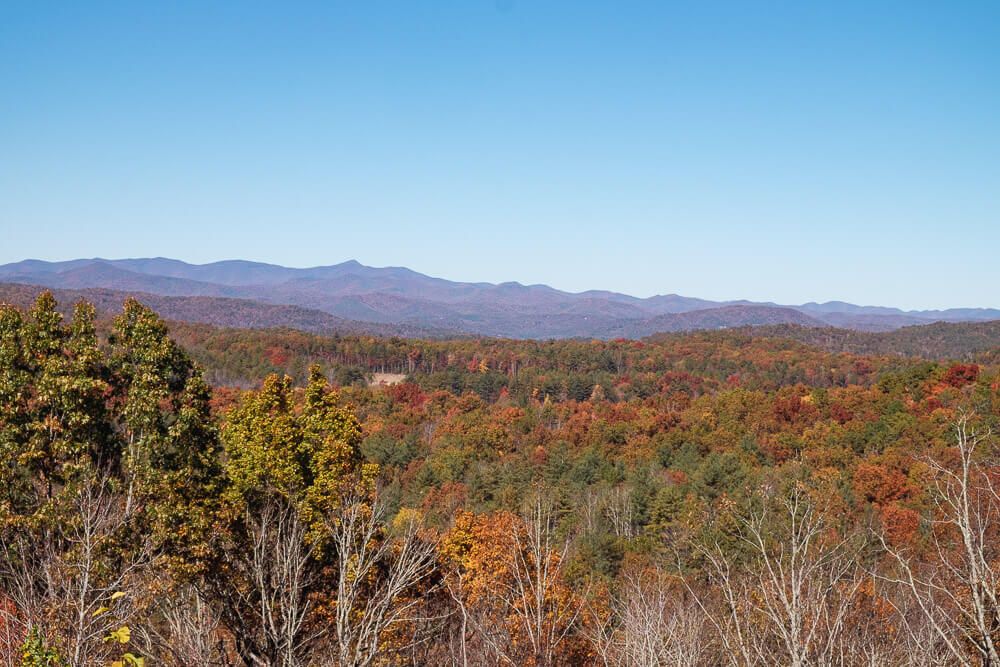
188 495
940 340
765 356
334 296
217 311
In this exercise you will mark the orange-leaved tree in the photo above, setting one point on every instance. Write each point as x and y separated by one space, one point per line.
507 575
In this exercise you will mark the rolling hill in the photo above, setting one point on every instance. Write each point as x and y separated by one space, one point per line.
352 296
217 311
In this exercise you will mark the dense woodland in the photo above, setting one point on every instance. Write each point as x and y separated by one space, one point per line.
200 496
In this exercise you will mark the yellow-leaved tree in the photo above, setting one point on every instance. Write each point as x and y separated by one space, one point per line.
307 566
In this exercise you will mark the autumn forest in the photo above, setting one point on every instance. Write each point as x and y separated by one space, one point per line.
186 495
499 333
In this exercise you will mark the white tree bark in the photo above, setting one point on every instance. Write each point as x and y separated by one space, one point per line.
787 604
649 624
957 593
369 605
60 579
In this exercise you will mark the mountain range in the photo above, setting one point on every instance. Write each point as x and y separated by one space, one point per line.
353 298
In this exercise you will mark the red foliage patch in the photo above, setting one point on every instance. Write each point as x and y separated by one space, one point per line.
863 367
407 393
960 375
840 413
539 456
10 637
792 409
277 356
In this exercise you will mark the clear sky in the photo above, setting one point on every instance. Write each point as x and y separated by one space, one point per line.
773 151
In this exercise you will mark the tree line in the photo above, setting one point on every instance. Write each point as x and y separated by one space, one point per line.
752 502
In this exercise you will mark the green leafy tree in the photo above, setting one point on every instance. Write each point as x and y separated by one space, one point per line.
109 458
290 461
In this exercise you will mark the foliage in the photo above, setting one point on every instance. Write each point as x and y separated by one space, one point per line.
526 502
37 653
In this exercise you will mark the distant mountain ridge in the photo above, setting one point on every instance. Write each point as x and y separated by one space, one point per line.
410 301
218 311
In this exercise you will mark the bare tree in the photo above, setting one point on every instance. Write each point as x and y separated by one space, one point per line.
787 603
63 579
264 601
188 633
619 512
377 580
918 643
12 633
649 624
545 612
280 557
957 593
872 636
521 612
591 510
484 636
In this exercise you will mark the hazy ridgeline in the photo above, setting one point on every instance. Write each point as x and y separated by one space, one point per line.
724 498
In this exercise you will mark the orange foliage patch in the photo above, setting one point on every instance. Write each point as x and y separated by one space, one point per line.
879 483
900 524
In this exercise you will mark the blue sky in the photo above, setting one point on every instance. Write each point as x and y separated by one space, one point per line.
772 151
